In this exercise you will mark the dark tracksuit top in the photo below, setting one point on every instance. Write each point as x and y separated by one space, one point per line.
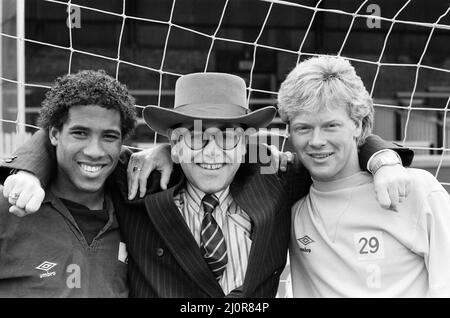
46 255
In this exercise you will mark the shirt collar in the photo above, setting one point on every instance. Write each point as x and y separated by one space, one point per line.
195 196
49 196
354 180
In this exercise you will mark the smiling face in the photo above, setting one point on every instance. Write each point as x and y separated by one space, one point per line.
211 168
87 149
325 142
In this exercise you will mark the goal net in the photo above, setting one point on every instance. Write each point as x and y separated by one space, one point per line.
399 48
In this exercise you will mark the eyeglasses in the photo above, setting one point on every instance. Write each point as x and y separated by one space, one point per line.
226 139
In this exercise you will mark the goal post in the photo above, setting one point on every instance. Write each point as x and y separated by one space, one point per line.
12 73
20 44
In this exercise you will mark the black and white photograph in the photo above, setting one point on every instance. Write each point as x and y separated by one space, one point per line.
246 151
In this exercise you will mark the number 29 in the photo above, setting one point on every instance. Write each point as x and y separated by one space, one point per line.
369 245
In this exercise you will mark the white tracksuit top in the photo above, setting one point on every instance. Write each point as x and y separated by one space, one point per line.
344 244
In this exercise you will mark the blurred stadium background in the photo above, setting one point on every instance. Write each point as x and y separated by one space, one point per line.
401 49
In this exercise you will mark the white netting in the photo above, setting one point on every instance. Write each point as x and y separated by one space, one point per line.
409 112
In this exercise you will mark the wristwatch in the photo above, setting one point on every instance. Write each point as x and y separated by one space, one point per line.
386 158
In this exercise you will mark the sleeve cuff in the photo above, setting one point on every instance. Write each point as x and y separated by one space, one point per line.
385 151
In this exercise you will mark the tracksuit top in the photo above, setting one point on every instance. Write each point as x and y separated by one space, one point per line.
344 244
46 255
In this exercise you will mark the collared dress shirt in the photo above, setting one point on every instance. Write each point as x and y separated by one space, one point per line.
234 223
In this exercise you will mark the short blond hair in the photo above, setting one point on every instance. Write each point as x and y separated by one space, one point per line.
326 81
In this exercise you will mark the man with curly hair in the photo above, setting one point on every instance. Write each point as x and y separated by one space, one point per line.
72 247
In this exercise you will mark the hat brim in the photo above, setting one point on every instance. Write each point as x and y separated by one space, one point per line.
161 119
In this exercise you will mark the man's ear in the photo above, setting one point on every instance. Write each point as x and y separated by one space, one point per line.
245 146
174 152
358 130
246 141
53 135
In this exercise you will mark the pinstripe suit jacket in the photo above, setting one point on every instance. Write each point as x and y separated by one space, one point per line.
173 266
164 259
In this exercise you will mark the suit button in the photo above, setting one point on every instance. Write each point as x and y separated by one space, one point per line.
159 252
275 273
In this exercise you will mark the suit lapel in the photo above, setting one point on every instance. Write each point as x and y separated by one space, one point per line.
176 234
257 199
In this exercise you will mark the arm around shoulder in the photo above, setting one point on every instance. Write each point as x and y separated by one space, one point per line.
374 144
36 156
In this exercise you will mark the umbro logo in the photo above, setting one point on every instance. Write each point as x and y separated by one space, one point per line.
305 240
46 266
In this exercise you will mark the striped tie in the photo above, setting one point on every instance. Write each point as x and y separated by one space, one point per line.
213 244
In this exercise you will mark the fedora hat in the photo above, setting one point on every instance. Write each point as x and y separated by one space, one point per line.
210 97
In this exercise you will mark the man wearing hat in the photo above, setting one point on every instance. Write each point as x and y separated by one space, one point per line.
221 228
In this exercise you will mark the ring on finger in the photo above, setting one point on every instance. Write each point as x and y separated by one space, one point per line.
14 196
136 168
289 156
